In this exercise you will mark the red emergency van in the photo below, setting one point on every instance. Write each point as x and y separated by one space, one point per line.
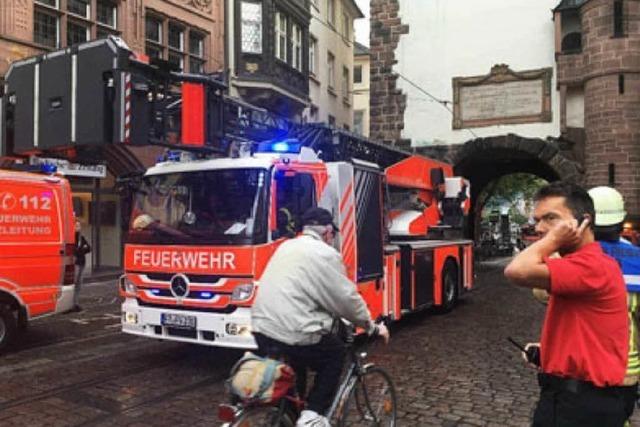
36 249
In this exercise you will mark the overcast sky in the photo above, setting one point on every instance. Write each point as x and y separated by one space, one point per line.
362 25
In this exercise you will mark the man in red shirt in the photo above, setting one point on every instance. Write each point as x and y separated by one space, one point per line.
584 346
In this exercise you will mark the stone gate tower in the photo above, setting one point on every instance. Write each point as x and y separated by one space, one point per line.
598 65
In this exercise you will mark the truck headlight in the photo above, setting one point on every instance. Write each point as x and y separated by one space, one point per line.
129 318
238 329
242 292
126 285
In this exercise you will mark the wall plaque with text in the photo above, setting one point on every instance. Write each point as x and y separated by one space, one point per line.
502 97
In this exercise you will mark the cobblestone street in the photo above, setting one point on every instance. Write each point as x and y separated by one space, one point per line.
451 370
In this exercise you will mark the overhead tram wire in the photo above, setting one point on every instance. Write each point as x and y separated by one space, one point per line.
335 30
442 102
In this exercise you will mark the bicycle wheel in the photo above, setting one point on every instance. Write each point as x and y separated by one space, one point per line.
264 416
372 401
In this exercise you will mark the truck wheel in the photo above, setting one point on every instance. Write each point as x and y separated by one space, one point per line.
449 288
8 326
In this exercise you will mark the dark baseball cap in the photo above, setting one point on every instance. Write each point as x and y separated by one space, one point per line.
318 216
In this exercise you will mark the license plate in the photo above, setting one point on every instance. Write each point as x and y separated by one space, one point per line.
178 320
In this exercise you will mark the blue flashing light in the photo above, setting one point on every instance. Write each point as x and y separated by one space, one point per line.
173 156
48 168
206 295
281 147
155 291
292 146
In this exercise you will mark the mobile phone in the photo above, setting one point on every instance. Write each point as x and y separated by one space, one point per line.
581 220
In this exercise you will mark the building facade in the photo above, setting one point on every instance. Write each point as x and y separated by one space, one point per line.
187 33
361 83
266 54
331 62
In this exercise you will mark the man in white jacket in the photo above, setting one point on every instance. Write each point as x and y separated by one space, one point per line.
303 289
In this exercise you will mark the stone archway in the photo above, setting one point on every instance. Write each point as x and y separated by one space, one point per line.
483 160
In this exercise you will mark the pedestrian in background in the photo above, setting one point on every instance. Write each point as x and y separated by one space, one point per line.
82 248
584 345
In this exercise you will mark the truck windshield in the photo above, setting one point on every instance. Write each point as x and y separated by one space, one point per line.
221 207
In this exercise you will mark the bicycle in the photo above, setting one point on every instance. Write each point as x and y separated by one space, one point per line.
365 397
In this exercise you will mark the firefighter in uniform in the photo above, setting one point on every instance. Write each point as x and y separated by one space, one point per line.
610 214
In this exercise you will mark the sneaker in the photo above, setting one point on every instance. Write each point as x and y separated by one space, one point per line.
312 419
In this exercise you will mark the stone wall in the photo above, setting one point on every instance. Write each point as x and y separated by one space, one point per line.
612 115
387 101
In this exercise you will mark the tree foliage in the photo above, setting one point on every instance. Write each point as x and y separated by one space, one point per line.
512 191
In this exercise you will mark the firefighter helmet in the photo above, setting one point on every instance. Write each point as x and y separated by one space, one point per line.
608 205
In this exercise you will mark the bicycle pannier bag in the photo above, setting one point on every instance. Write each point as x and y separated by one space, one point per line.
261 379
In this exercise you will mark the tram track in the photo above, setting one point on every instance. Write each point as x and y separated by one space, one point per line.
187 388
56 391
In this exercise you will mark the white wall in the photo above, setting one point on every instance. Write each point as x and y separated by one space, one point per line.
460 38
361 93
331 102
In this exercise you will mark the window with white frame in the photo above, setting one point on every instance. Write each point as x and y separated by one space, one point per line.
79 7
331 12
176 45
357 74
153 29
107 13
76 17
313 55
176 37
297 46
77 33
331 70
46 28
182 45
251 27
196 52
153 36
358 122
281 36
345 83
346 28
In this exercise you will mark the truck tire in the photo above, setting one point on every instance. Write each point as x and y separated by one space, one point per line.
8 326
449 287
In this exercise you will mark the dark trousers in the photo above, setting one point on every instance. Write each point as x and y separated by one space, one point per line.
326 359
567 403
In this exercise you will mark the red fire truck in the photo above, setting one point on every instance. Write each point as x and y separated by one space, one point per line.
206 219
